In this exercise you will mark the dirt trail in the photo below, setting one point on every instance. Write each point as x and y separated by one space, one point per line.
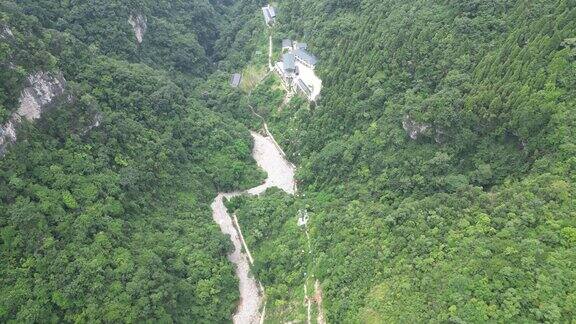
318 298
269 157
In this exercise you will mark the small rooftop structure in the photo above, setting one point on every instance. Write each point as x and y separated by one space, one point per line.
289 62
272 11
304 88
298 46
306 58
269 14
235 80
286 44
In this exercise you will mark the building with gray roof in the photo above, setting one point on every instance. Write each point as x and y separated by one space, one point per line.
289 62
286 44
272 11
304 88
269 14
303 46
306 58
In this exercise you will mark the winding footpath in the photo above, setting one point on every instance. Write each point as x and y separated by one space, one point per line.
280 172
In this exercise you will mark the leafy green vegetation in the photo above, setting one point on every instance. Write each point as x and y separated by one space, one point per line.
104 202
438 167
279 248
470 222
119 216
267 97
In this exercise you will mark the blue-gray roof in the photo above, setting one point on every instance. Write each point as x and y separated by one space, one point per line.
267 15
304 87
286 43
272 11
235 80
302 46
289 61
306 56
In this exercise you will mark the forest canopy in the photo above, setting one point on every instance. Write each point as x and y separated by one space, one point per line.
104 201
471 219
438 167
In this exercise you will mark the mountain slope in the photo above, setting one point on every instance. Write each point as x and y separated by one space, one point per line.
438 165
104 199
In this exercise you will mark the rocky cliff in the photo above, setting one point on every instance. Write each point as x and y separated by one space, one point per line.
5 32
41 89
416 129
140 24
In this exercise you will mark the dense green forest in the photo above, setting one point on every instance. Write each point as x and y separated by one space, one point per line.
438 168
472 221
280 250
104 202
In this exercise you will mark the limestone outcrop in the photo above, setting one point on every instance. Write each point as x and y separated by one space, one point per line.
41 89
140 25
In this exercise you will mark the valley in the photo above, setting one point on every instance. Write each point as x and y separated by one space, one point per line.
280 174
310 161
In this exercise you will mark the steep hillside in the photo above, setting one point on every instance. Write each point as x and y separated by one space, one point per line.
104 195
171 35
439 164
437 169
23 51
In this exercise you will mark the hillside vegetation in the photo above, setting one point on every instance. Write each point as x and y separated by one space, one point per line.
438 168
104 201
472 221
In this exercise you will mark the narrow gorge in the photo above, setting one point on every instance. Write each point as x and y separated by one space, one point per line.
434 142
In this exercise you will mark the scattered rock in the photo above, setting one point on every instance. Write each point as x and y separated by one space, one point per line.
140 24
303 217
43 88
440 136
96 121
7 135
5 32
413 128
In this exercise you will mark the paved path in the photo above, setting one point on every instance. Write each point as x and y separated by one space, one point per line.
270 50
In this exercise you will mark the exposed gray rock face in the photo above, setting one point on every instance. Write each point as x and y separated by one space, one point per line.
140 24
96 121
42 88
5 32
414 128
440 136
